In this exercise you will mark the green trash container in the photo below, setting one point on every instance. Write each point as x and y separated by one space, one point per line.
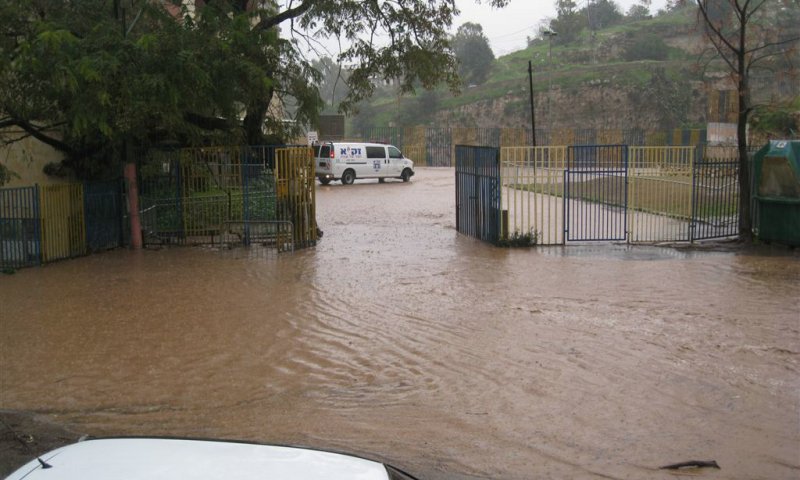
776 171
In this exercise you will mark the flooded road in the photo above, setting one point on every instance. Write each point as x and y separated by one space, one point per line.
398 339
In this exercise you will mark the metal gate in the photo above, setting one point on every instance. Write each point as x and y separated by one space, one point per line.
478 201
103 206
715 200
20 227
595 193
294 173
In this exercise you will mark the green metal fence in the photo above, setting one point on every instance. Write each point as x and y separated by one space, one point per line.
220 195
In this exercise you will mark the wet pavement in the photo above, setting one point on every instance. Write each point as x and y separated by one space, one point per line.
398 339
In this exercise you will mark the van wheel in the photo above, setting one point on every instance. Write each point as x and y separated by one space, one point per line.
381 180
348 177
406 175
324 181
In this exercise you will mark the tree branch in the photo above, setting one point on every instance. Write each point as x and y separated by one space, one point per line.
757 58
37 133
287 14
773 44
702 5
207 123
754 10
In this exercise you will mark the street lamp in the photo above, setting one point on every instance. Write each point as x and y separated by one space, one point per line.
550 34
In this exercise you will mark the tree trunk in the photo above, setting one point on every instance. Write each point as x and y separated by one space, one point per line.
253 123
745 217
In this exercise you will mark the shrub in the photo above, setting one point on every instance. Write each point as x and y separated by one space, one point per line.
518 239
645 46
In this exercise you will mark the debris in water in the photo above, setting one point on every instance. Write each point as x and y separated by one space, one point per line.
691 464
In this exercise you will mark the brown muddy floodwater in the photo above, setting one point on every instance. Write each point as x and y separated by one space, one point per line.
398 339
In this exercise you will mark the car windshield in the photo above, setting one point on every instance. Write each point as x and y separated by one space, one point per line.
395 153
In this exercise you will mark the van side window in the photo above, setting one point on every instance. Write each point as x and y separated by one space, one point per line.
395 153
324 151
376 152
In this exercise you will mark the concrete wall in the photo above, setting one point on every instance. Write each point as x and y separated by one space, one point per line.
26 159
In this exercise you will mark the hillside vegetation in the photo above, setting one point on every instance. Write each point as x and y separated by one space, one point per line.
652 74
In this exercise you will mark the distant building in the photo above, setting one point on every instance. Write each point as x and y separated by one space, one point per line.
331 127
723 114
721 133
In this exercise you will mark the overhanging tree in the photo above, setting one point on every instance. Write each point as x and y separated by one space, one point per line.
745 37
90 77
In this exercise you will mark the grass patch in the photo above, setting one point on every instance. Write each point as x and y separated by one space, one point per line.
668 196
519 240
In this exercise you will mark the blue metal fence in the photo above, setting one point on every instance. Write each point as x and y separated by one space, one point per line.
103 210
596 193
478 202
21 219
20 227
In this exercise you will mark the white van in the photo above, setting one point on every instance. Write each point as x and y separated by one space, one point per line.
349 161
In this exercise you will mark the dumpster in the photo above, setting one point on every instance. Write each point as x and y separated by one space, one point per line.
776 172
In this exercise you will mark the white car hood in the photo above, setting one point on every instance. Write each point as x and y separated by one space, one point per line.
162 459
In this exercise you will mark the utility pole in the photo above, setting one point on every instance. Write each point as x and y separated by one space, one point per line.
591 29
549 34
533 115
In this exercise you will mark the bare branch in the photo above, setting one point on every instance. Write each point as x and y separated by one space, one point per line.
703 7
758 58
773 44
37 132
722 52
754 10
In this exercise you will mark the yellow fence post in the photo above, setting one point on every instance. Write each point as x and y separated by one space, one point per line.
294 172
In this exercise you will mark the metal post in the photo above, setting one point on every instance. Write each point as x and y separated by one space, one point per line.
533 115
550 34
133 205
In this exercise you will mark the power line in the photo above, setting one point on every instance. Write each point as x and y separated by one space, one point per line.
514 33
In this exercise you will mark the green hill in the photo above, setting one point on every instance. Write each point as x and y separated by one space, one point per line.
649 74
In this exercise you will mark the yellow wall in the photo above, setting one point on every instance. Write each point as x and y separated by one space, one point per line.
26 159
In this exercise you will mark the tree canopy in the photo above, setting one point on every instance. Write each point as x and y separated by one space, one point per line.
93 76
570 20
475 56
639 11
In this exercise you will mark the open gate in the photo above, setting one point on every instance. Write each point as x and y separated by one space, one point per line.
478 202
595 193
715 199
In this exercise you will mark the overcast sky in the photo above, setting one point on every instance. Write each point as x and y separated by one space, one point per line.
508 28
